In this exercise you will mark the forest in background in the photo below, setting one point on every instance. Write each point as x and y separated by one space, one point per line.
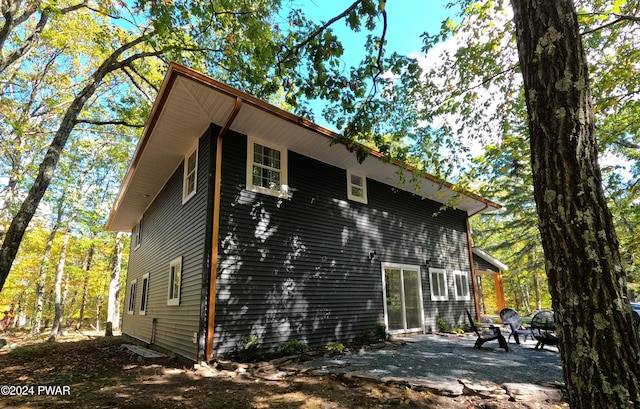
66 258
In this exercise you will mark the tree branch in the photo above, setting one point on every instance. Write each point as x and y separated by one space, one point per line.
103 123
619 19
11 23
318 31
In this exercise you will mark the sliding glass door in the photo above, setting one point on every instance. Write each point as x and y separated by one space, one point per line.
403 298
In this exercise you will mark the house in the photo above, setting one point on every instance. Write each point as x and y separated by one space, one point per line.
485 266
248 220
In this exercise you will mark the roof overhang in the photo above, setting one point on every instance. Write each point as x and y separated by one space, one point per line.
189 101
486 257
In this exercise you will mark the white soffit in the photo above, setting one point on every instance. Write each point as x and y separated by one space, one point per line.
189 102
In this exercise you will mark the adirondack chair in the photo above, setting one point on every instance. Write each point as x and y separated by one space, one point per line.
492 335
512 320
543 329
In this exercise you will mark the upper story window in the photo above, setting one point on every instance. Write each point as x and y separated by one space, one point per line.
438 284
266 168
136 235
461 283
356 187
190 174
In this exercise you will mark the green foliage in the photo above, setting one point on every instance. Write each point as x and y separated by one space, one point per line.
336 347
369 336
443 325
381 331
293 347
249 349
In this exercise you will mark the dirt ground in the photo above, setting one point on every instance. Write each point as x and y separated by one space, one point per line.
88 371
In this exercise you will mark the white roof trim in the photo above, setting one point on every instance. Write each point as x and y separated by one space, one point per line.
189 101
486 257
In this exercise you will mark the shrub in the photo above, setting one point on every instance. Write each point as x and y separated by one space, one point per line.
443 325
292 347
365 336
381 331
336 347
250 349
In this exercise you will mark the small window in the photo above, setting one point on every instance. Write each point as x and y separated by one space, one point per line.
438 284
266 169
461 282
190 175
175 277
136 235
356 187
131 306
144 294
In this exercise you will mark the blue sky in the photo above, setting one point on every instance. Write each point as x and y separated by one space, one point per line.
406 21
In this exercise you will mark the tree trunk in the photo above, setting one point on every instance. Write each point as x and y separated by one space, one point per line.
36 322
113 302
598 342
536 284
20 221
86 267
59 300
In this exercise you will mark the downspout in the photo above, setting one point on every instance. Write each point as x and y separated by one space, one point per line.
215 231
473 270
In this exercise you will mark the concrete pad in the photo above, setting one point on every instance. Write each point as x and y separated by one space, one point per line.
144 352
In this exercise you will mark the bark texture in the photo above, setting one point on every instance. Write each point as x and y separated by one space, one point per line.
598 342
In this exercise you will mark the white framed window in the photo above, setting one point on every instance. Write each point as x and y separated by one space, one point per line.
356 187
144 294
266 168
131 306
136 234
438 284
175 279
190 179
461 284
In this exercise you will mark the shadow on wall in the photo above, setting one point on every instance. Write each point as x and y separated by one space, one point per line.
299 268
295 269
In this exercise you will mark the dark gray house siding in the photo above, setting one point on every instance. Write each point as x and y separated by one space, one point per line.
171 229
299 267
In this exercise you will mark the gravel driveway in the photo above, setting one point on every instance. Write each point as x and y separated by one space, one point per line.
452 358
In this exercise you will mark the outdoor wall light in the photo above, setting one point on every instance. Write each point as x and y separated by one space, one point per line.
427 262
373 255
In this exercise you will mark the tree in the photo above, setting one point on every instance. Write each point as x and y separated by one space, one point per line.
234 40
584 268
113 299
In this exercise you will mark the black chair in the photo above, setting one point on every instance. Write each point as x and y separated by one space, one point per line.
543 329
512 320
493 335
